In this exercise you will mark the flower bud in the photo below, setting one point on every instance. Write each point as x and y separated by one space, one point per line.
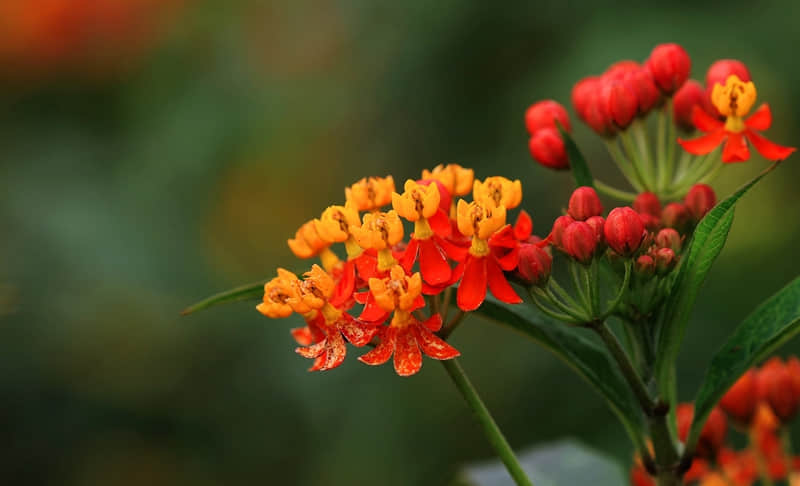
584 203
669 238
720 70
669 65
582 94
676 215
665 260
647 94
650 222
586 100
580 241
557 233
543 114
547 148
645 265
713 433
620 102
534 264
699 200
690 95
624 230
776 386
597 223
739 402
647 203
620 69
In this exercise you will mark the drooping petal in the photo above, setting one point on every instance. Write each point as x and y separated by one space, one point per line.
472 289
432 345
311 351
361 297
705 144
508 260
523 227
302 335
407 356
433 263
383 351
735 149
373 313
319 362
335 350
358 333
703 121
761 119
458 271
434 322
440 223
499 285
768 150
418 303
453 251
409 255
503 238
345 286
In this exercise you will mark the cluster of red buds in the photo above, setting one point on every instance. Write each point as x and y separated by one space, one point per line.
759 405
545 143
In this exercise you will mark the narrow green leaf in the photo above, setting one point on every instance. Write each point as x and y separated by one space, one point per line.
706 244
765 329
588 359
580 170
253 291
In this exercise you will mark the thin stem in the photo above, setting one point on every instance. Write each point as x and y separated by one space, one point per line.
578 284
559 290
625 166
553 299
683 165
490 428
593 283
612 191
672 141
452 325
612 305
661 151
552 313
623 361
636 161
640 136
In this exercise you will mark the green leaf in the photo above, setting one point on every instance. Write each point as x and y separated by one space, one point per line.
562 463
580 170
706 244
591 361
253 291
765 329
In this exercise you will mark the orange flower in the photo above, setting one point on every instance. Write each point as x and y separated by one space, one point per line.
370 193
307 243
499 190
456 179
334 224
398 291
734 100
381 232
418 202
277 293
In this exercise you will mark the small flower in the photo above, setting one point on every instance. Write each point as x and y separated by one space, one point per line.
534 265
335 222
699 201
580 241
718 73
712 436
584 203
498 190
669 238
544 114
381 232
670 65
417 202
370 193
647 203
624 231
557 233
547 148
397 291
479 220
456 179
676 215
586 100
277 293
734 100
620 102
778 387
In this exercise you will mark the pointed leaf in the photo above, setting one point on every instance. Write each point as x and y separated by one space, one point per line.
770 325
580 170
253 291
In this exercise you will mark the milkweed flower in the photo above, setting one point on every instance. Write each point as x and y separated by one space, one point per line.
456 179
370 193
734 100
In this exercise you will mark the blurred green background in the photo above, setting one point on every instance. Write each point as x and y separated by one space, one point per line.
153 153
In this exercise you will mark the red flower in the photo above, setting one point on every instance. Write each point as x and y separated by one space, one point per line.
486 271
734 100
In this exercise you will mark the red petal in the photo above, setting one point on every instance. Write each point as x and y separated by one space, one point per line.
704 144
453 251
523 227
440 223
735 149
302 335
312 351
437 289
383 351
433 263
508 261
367 265
407 356
472 289
434 322
373 313
504 238
358 333
432 345
761 119
318 363
346 285
335 351
703 121
410 255
418 303
767 149
499 285
361 297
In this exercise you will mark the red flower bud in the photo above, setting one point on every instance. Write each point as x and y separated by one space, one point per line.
584 203
580 241
624 231
597 223
620 102
665 260
534 265
690 95
557 233
700 199
740 400
720 70
582 94
645 265
676 215
586 100
647 94
669 238
670 65
543 114
650 222
647 203
776 386
711 436
547 148
620 69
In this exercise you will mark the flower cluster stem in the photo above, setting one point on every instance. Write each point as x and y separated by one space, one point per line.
484 418
625 365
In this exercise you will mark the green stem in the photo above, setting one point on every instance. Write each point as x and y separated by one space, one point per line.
639 133
574 312
661 158
636 160
452 325
550 312
490 428
625 166
612 305
672 141
611 191
666 455
577 282
625 365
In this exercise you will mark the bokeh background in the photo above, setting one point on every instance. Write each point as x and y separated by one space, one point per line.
154 152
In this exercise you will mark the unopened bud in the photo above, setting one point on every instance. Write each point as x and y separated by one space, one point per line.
776 386
557 233
597 223
669 238
700 199
665 260
624 231
580 241
645 265
547 148
670 65
650 222
534 264
647 203
584 203
676 215
620 102
690 95
543 114
739 402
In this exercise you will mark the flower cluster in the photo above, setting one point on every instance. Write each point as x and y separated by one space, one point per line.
393 280
759 405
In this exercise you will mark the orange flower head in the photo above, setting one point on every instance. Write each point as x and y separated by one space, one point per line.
306 242
378 231
370 193
734 100
479 219
277 293
334 224
313 292
456 179
417 201
397 291
499 191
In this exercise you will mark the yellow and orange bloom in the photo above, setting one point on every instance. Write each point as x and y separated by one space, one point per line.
380 232
418 202
397 291
307 243
456 179
499 191
277 293
370 193
734 100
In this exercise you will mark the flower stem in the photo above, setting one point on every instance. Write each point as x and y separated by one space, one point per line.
611 191
490 428
625 166
625 365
